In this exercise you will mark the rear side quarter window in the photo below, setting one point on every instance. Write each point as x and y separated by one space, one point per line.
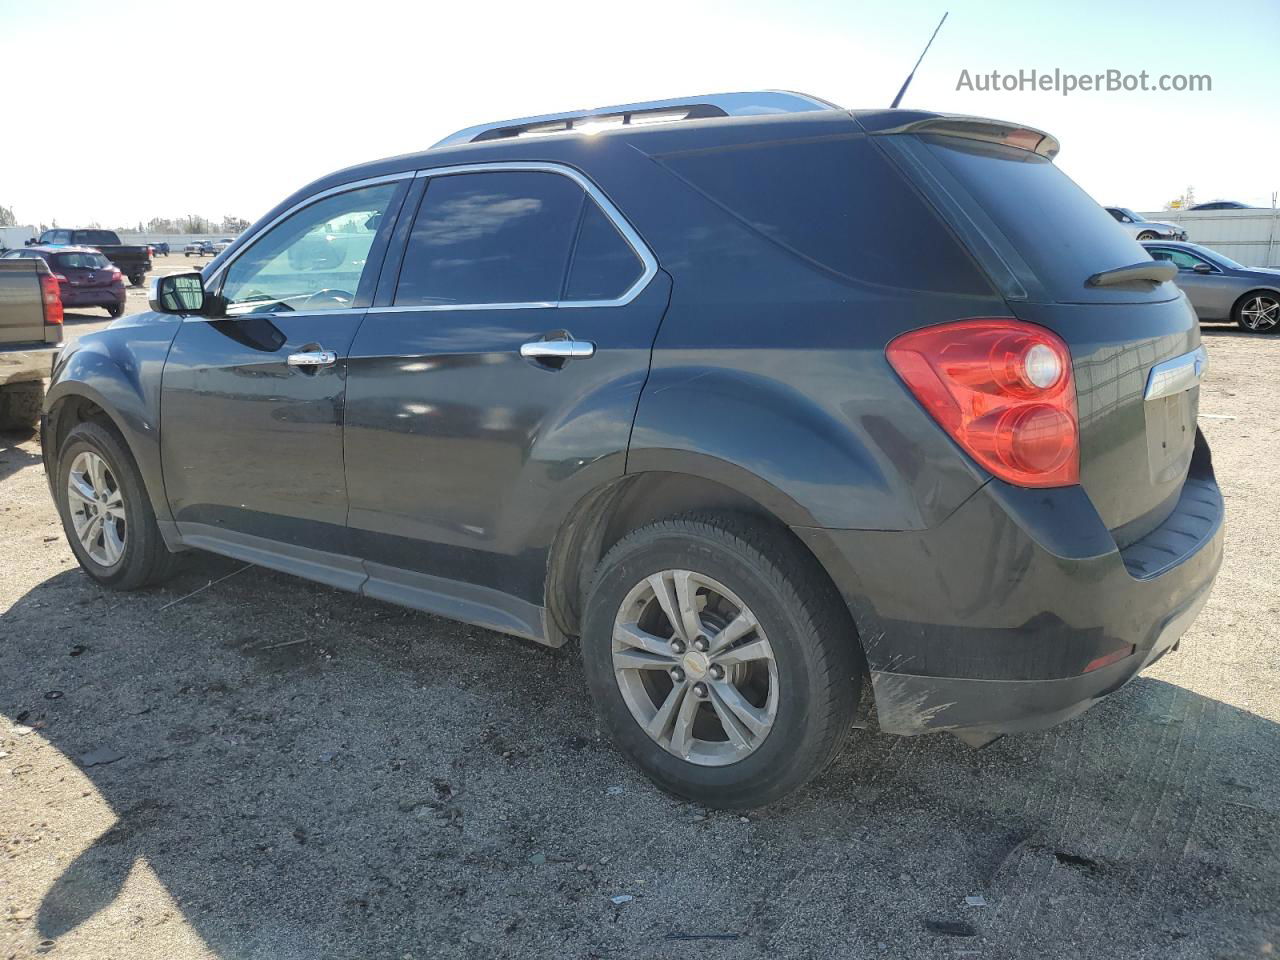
837 203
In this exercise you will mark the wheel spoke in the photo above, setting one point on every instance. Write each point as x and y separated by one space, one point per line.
661 721
640 660
687 599
738 735
755 650
736 629
89 536
664 591
96 474
115 500
112 544
753 718
630 635
682 729
78 486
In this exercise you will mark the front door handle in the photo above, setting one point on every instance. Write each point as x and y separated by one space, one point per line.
558 349
313 358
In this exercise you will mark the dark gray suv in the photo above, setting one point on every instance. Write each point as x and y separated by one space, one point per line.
757 397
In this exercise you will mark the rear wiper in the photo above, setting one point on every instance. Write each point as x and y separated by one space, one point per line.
1156 271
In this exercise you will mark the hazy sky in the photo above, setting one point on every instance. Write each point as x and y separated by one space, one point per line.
116 112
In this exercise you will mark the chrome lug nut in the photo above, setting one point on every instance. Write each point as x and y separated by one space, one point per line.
700 690
702 644
677 674
678 645
716 671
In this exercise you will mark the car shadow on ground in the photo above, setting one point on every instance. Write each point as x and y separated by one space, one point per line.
12 456
311 774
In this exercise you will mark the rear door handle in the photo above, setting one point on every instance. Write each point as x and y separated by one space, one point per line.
558 349
313 358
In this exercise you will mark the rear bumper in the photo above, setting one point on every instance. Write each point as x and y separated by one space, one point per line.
996 620
93 297
27 362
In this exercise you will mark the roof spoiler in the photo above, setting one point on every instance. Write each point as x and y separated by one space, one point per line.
1155 271
979 128
757 103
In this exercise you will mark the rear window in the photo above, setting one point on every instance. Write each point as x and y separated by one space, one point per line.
95 237
80 261
838 203
1057 229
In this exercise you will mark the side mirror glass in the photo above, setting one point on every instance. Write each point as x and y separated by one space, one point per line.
1202 268
180 293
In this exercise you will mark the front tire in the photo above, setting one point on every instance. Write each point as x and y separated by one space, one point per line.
720 658
106 513
1148 235
1258 312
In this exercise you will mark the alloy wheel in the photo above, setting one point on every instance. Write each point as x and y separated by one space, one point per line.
1260 313
97 508
695 668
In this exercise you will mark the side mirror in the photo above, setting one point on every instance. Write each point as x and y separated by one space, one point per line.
1202 268
181 293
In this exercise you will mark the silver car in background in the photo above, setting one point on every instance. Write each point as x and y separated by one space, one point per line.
1141 229
1221 289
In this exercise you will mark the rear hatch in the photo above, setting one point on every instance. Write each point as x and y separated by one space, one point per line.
21 307
1048 247
87 270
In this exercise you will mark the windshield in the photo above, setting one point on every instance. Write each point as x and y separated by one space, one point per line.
1217 257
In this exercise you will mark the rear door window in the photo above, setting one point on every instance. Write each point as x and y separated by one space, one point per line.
491 238
604 265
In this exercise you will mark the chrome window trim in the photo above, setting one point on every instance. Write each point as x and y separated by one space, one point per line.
648 261
301 205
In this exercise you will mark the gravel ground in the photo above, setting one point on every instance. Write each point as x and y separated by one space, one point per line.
305 774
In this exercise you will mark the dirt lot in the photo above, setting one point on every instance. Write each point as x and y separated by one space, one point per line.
305 774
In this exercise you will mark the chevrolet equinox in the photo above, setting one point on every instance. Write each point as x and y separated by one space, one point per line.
757 397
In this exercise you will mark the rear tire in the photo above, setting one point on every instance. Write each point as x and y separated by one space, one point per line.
137 279
20 405
1148 235
796 703
115 310
144 560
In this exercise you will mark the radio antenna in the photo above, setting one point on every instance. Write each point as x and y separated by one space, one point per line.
906 83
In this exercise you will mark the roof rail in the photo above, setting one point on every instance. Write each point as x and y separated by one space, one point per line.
680 108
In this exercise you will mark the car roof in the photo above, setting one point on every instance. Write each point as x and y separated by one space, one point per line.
44 248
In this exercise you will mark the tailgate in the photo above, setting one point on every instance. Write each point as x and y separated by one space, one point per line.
21 309
1048 246
1135 443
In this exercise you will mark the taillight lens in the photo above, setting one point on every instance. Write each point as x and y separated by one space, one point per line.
52 298
116 274
1003 390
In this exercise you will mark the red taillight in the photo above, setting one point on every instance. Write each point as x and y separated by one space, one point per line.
1107 659
1003 390
52 298
116 274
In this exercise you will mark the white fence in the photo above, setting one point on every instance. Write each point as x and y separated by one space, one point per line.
1251 237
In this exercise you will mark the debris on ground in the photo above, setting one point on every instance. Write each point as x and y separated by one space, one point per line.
100 757
976 900
621 898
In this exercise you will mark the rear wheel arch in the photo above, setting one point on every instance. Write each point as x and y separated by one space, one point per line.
603 518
